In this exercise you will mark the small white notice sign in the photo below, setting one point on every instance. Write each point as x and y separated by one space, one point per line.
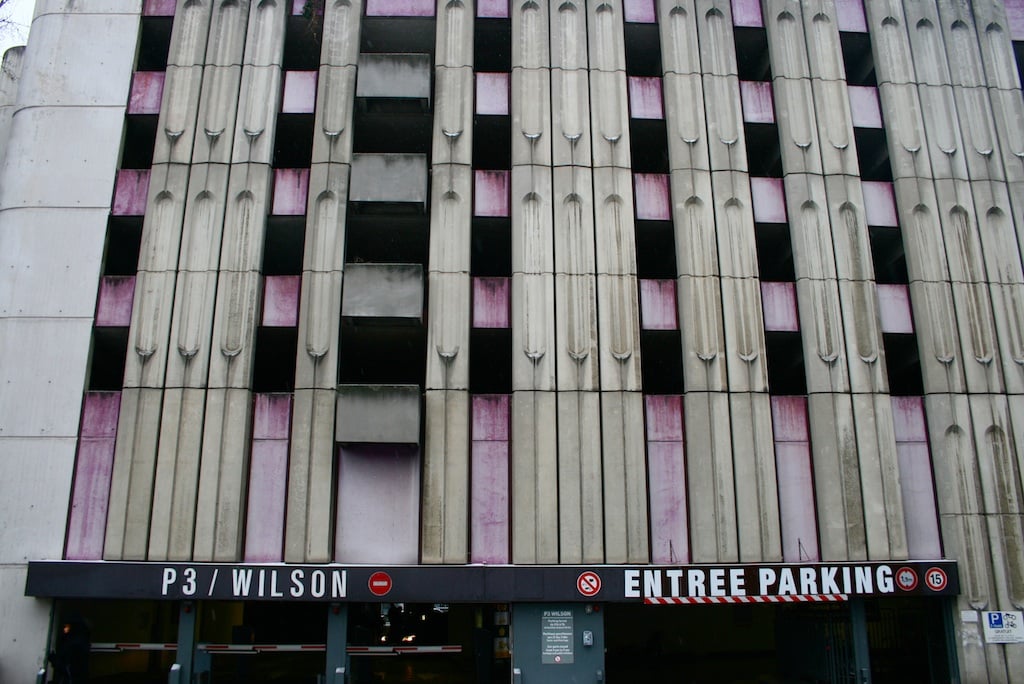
1003 627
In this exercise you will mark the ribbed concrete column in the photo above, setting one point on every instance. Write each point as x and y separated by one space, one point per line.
53 217
10 75
446 496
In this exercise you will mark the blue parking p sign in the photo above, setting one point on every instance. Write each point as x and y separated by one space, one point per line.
995 620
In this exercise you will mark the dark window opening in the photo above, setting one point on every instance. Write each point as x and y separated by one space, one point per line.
774 252
764 155
376 352
491 249
643 50
293 141
139 140
302 42
860 64
386 237
154 43
490 361
282 251
655 249
274 360
492 45
391 125
397 34
785 356
752 59
873 154
662 367
106 367
648 143
1018 53
492 142
888 255
124 239
903 364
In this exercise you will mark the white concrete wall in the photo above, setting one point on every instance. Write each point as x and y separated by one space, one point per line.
56 182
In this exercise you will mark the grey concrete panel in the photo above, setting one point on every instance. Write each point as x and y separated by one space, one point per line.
837 487
922 236
532 220
694 221
534 478
683 97
576 311
444 536
10 77
177 475
703 333
880 477
36 483
784 23
849 228
341 33
573 221
734 221
258 102
615 232
383 291
448 331
714 28
570 120
308 519
710 478
626 530
863 332
533 331
810 227
835 127
217 110
581 513
945 144
453 120
148 335
1008 112
757 494
823 337
609 114
451 217
405 75
743 317
530 107
940 355
131 480
618 304
44 369
909 153
887 26
24 626
455 35
973 306
378 414
45 251
798 125
727 146
605 39
234 329
223 476
388 178
176 126
332 128
977 124
1007 300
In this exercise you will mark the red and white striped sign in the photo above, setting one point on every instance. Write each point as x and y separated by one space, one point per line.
690 600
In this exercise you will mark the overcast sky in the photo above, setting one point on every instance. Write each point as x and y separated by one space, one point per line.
20 12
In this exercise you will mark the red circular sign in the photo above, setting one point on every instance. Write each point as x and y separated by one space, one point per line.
588 583
906 579
380 583
936 579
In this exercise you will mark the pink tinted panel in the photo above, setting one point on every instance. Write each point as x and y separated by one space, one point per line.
299 92
666 465
130 192
147 89
796 502
769 200
399 8
114 307
756 97
746 13
158 8
645 99
492 302
658 304
378 504
87 521
865 108
290 189
490 417
99 414
664 417
491 193
639 11
894 308
908 419
271 416
281 301
264 522
299 7
880 204
850 15
919 500
489 510
789 419
1015 18
492 9
653 201
491 93
779 303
